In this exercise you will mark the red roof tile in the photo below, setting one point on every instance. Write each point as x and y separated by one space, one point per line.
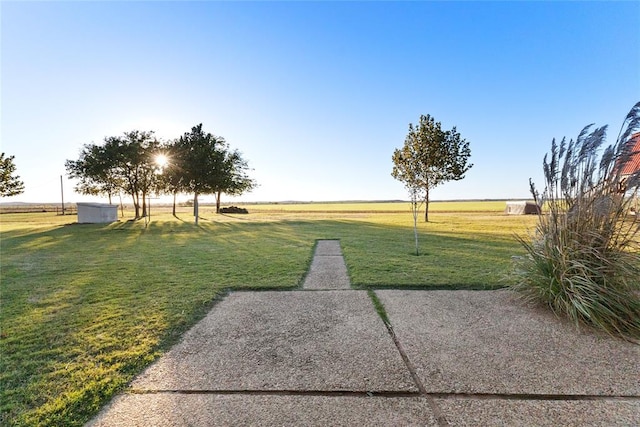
634 164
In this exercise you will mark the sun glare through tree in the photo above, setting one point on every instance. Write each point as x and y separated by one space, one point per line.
162 160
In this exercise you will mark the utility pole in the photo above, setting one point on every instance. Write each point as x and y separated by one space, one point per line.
62 194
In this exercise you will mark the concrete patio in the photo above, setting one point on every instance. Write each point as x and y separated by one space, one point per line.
323 356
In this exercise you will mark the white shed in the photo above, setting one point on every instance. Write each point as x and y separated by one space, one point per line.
92 213
522 208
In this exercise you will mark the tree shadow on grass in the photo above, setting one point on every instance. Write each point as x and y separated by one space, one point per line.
126 284
382 256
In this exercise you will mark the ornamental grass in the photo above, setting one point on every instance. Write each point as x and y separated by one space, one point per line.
583 260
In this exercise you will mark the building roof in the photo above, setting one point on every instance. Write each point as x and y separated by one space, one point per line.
633 164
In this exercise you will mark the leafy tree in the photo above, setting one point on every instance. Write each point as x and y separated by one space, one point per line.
95 172
141 165
235 180
123 163
204 164
430 157
10 184
170 179
200 160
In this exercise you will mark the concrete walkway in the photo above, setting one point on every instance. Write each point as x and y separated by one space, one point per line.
325 357
328 270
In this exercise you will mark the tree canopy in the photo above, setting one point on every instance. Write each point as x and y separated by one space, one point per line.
10 184
122 164
94 172
235 179
197 162
430 156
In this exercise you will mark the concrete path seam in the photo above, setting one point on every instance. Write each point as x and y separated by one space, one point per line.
327 393
393 393
555 397
437 412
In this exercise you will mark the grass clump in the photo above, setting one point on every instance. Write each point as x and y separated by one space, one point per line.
584 259
379 307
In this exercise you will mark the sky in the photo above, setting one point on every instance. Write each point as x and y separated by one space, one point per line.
316 95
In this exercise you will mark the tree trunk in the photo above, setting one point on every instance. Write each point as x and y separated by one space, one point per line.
195 207
414 208
136 204
144 204
175 193
218 194
426 207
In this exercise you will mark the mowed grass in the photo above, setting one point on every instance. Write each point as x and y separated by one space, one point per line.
459 251
87 307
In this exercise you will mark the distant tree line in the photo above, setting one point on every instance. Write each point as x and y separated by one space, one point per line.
138 164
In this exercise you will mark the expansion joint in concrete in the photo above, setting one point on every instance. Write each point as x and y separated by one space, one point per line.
395 394
437 412
325 393
525 396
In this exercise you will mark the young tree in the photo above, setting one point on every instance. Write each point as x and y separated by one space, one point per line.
10 184
430 157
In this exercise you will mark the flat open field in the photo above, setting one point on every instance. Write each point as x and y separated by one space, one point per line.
85 307
376 207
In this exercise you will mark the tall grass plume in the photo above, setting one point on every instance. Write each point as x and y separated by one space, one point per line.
583 259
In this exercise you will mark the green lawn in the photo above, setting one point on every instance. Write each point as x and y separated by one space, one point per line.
86 307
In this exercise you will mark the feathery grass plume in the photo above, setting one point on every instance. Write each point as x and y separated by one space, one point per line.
583 260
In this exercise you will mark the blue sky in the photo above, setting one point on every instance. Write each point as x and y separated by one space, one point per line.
316 95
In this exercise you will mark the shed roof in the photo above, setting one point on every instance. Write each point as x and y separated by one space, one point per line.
95 205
